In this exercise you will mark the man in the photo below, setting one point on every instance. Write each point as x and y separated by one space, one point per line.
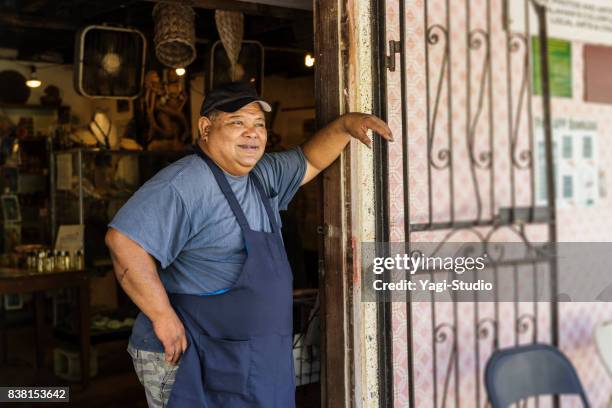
215 328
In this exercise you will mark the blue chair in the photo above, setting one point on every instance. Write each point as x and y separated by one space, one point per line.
517 373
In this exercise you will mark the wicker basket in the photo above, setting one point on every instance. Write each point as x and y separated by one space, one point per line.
174 34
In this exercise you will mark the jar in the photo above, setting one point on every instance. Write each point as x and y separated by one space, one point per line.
40 261
66 260
58 262
79 263
49 262
31 260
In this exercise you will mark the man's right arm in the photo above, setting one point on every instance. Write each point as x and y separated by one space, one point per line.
137 274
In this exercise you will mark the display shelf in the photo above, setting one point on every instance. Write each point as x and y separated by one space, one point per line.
88 186
31 107
97 336
25 171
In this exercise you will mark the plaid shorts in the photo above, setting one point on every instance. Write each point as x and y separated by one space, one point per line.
155 374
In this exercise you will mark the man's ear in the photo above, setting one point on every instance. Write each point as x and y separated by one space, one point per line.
203 124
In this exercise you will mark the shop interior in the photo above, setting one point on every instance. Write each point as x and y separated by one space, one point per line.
95 98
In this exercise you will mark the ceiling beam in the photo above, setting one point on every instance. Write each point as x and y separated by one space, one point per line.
22 21
33 6
293 4
246 8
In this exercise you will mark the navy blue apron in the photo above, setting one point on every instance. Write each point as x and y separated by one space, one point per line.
240 341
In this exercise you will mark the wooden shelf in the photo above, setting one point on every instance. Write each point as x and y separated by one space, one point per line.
97 336
32 107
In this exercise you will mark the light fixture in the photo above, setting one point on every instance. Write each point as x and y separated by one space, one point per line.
33 82
180 71
309 60
111 63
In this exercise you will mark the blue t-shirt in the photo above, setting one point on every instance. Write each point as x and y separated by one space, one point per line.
181 217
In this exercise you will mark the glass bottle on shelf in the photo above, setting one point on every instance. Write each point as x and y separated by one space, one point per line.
31 260
49 262
79 260
66 260
40 261
58 262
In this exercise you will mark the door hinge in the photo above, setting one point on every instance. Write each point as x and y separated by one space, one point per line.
395 47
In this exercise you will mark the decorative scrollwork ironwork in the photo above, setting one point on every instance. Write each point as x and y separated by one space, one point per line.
522 159
433 37
482 160
441 334
524 323
435 33
487 327
476 38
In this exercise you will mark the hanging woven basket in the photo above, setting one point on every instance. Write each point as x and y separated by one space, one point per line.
174 34
230 25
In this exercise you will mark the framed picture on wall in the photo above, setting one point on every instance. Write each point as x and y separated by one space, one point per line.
10 208
13 301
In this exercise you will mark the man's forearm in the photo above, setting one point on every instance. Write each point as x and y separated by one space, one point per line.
326 145
137 274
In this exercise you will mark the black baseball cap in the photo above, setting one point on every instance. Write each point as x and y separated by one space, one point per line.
230 97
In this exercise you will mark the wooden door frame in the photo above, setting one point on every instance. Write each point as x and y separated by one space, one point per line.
336 361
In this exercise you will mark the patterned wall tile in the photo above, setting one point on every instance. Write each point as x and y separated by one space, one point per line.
506 183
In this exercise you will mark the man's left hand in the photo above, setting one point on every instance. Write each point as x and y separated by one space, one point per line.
358 124
327 144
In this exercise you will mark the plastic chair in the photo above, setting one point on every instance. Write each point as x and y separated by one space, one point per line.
537 369
603 341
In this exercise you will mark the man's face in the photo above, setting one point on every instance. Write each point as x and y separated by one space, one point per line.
236 140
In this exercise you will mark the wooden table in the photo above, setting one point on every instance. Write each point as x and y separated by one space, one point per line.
16 280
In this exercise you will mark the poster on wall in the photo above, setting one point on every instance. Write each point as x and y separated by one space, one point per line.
559 67
575 163
587 21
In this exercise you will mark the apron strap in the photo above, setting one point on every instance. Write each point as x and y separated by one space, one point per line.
225 188
266 203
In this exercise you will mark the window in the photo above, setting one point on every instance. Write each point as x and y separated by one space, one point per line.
587 147
567 147
568 187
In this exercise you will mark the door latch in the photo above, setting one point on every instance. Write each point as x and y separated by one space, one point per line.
323 229
395 47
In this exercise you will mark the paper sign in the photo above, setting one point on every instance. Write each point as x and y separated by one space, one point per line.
70 238
587 21
575 154
559 67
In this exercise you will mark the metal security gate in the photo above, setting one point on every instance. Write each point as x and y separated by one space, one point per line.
469 165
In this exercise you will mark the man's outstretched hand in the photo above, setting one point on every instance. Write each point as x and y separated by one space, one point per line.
326 145
358 124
